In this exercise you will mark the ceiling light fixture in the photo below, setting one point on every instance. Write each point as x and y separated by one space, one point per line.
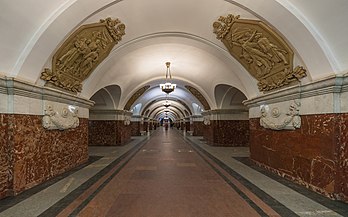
168 86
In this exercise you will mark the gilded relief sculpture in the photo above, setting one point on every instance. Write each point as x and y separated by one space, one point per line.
260 50
81 53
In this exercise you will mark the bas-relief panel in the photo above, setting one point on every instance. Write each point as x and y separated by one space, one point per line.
41 154
307 155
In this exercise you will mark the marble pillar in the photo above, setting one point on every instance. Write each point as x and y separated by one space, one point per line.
109 127
226 127
309 148
38 141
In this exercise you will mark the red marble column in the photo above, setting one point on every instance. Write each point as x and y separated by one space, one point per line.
5 156
33 154
187 126
146 126
230 133
342 170
136 128
314 155
109 132
198 128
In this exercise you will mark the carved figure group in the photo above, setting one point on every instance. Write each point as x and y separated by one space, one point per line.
260 50
79 59
257 50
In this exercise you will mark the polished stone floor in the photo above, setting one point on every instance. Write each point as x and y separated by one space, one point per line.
169 174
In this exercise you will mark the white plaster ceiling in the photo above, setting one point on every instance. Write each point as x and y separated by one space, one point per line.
178 31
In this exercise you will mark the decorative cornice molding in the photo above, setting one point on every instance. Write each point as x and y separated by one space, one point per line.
224 111
109 112
12 86
330 85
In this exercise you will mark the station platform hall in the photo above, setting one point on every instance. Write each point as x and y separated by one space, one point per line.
162 108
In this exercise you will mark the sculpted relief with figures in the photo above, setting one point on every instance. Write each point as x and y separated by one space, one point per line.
260 50
82 52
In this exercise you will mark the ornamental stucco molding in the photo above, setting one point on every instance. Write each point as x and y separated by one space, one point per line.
54 120
273 118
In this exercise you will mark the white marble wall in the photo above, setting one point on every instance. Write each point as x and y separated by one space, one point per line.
226 114
28 99
322 97
108 115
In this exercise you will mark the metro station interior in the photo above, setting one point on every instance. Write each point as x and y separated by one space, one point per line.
184 108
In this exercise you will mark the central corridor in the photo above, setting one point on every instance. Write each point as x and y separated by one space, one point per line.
166 177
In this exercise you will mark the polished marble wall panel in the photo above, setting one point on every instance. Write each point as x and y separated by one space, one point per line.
308 155
5 156
146 126
342 173
198 128
232 133
135 125
40 154
187 126
108 132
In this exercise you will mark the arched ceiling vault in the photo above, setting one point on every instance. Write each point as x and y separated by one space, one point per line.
178 31
179 111
159 102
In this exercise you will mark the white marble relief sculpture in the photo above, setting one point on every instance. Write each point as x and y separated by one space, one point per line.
127 120
206 120
53 120
276 121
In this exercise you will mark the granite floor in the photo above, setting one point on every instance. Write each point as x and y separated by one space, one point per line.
169 174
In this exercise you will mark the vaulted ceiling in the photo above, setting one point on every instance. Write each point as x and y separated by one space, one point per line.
178 31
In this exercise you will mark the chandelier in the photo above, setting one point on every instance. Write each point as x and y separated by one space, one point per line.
168 87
